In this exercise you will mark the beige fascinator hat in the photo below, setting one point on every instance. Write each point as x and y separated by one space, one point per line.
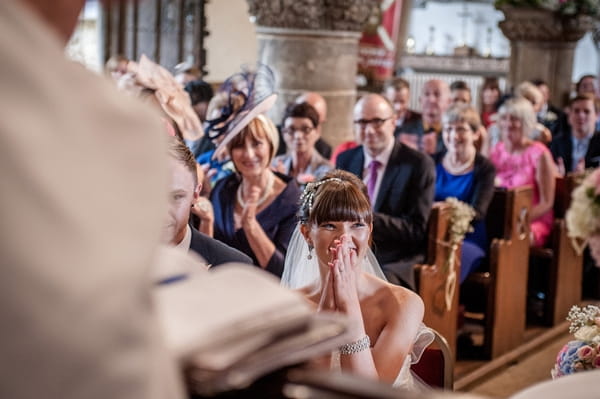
173 100
256 88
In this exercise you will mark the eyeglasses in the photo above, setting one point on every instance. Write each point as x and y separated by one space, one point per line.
304 129
375 122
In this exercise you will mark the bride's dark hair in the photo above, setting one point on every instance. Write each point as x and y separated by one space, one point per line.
337 196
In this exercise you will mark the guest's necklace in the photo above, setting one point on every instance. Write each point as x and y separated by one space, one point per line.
461 168
264 196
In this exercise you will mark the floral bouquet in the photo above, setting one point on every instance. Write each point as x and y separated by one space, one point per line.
584 352
460 224
583 216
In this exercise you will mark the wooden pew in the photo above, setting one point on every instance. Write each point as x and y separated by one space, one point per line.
565 266
431 277
505 284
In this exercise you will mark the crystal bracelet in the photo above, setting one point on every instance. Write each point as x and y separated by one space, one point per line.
356 346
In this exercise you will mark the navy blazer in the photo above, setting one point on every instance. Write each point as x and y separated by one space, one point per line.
403 204
562 147
214 251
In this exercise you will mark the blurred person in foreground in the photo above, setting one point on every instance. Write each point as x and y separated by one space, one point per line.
80 230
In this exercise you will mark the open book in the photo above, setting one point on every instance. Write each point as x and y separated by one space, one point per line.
235 324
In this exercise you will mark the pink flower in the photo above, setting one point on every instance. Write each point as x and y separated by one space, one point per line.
586 353
596 362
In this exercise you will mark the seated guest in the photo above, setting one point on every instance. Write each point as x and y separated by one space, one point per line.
397 91
490 98
318 102
550 116
534 95
221 109
521 161
186 72
587 85
336 221
302 161
116 67
183 195
255 209
320 105
400 184
578 148
425 134
464 174
200 94
460 92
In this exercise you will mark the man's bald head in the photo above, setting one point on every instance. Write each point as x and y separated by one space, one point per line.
318 103
435 100
61 15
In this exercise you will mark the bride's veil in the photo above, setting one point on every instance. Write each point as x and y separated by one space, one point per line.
300 271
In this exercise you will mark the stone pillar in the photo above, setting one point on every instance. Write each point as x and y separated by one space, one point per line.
543 46
313 47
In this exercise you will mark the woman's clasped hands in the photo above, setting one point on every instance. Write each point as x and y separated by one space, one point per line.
344 275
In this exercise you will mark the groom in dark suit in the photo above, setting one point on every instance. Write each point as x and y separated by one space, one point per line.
400 182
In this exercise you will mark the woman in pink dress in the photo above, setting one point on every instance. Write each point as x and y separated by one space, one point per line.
520 161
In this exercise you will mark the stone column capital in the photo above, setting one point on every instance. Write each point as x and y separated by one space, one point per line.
539 25
337 15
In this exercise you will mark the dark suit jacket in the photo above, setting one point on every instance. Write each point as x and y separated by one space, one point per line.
415 126
562 147
214 251
484 174
402 206
410 119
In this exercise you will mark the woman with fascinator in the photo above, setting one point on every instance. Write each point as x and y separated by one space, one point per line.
255 208
329 261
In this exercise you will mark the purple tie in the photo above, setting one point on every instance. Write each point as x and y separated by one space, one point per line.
373 166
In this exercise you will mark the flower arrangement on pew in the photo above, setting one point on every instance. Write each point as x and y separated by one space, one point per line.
583 353
583 216
460 225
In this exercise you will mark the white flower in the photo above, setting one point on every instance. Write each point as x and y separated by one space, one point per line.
587 333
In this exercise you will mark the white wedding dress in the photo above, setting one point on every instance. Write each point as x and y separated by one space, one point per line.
300 271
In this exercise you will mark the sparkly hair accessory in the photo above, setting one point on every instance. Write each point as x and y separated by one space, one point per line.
308 196
173 100
256 89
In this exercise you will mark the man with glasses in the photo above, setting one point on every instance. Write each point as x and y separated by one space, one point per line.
301 132
400 183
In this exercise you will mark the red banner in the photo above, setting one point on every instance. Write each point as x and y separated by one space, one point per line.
377 47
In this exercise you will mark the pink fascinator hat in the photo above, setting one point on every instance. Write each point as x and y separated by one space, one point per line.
256 89
173 99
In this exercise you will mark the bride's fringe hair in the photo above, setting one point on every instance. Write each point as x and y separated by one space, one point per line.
338 196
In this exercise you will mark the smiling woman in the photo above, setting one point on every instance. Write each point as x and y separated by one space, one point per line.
254 209
343 276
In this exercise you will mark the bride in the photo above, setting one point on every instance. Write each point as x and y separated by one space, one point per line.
330 262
